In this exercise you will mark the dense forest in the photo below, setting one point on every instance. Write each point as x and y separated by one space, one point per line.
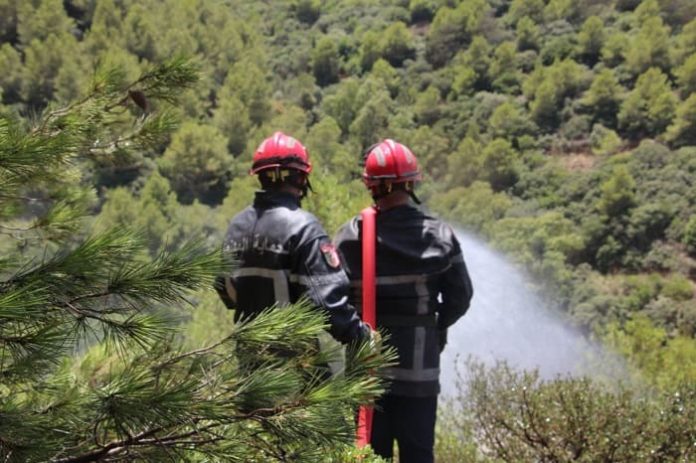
563 132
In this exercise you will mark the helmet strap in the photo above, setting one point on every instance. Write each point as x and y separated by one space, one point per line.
299 181
273 178
414 197
386 188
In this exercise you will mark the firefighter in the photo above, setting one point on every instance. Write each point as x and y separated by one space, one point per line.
282 251
423 287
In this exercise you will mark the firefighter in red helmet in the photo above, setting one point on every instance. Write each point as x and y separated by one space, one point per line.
422 288
282 251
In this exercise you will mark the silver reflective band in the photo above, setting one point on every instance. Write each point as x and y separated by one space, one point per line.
279 277
397 280
423 297
404 374
317 280
339 303
231 291
419 348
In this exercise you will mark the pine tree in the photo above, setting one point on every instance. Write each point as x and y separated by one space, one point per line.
591 39
91 359
325 61
649 108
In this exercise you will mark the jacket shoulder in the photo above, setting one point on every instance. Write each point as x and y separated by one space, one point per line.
307 222
349 231
442 232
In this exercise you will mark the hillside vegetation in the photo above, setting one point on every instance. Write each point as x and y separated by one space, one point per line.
561 131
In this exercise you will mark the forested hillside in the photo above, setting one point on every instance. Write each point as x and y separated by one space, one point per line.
561 131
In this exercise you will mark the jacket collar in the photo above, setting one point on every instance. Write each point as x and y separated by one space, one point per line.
398 211
268 199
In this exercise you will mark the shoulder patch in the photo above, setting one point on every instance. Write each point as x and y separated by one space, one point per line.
328 250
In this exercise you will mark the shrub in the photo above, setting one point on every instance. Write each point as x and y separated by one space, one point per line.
517 417
690 235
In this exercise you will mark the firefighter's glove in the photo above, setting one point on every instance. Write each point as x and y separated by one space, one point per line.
372 341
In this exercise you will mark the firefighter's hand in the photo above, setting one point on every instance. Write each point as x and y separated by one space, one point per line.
374 341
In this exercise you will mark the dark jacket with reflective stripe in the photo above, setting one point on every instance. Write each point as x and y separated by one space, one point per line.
283 254
423 287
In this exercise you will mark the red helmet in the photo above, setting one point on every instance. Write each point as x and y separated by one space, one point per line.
281 151
390 162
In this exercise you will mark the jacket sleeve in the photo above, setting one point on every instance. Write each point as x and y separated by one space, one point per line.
327 286
455 288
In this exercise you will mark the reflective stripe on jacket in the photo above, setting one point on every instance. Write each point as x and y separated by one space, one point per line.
423 287
284 254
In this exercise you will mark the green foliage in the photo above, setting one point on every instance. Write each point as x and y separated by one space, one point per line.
604 97
499 164
534 239
335 203
478 58
515 416
678 287
475 207
650 47
386 73
40 20
325 61
503 68
519 9
427 106
396 44
307 11
686 76
528 34
683 129
232 120
591 39
685 42
604 140
649 108
690 235
196 163
239 196
652 354
421 10
370 49
465 164
615 47
544 108
372 118
510 122
329 155
549 86
342 105
11 79
618 193
248 82
452 29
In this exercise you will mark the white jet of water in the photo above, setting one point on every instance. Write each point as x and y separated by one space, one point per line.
508 321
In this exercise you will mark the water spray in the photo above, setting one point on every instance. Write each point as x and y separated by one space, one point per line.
508 321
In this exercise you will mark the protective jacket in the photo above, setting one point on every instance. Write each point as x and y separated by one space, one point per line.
282 254
423 287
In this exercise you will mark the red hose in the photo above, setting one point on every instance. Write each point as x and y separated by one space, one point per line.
369 315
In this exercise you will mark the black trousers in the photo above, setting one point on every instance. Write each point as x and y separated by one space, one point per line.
408 420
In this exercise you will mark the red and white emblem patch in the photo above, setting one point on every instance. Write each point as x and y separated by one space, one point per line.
330 254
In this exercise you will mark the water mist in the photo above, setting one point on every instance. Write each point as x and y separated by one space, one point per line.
508 321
